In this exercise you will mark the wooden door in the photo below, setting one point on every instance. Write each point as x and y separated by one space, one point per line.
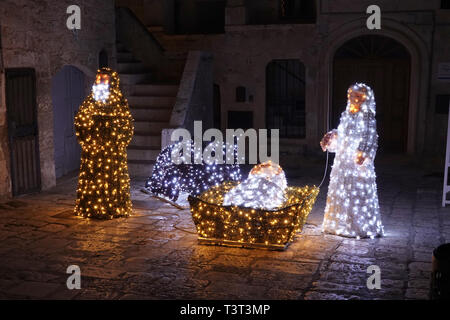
23 130
390 83
67 96
384 66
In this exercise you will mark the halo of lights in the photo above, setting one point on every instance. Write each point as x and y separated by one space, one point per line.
168 179
352 207
104 128
250 227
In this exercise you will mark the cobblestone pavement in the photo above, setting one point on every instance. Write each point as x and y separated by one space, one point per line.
154 253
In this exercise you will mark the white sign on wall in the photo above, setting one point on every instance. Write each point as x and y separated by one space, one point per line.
444 71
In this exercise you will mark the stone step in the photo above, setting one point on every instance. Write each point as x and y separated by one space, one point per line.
151 114
151 101
168 90
150 140
140 153
140 168
135 78
134 67
150 127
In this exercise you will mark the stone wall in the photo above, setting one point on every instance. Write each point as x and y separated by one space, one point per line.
150 12
195 95
437 123
242 53
34 35
5 183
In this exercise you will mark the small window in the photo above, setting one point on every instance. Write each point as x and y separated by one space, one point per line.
298 10
241 94
210 16
445 4
102 59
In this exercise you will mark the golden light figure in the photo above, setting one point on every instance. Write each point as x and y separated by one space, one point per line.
104 128
222 222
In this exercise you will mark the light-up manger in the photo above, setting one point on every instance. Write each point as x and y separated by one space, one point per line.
249 227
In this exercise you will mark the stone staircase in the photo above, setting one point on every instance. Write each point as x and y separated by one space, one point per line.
151 105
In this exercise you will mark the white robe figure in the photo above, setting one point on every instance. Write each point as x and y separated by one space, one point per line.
352 207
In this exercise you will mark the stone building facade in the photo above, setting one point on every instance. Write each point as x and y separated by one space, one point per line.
34 36
277 63
412 99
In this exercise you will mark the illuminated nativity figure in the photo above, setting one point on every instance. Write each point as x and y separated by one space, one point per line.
104 128
352 207
170 181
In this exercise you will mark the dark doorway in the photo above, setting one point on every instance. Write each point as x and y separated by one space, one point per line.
210 16
67 96
23 130
240 120
285 98
384 65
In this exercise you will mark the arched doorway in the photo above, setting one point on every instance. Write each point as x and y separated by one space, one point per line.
67 95
384 64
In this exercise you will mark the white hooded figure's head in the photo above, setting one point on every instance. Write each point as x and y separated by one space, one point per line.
101 86
360 98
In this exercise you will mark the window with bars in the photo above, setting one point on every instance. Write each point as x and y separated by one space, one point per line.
285 98
445 4
298 10
241 94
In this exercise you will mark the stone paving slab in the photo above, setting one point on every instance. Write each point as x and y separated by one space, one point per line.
155 255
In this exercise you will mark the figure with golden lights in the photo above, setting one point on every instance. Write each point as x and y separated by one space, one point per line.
352 207
104 128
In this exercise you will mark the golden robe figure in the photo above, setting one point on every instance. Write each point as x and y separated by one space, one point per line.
104 128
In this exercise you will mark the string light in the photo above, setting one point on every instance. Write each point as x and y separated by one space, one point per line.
104 128
169 179
352 207
244 226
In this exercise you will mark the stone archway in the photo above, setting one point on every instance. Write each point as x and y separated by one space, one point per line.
420 71
384 64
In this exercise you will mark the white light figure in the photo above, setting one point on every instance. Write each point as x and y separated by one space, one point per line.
101 91
263 189
352 207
